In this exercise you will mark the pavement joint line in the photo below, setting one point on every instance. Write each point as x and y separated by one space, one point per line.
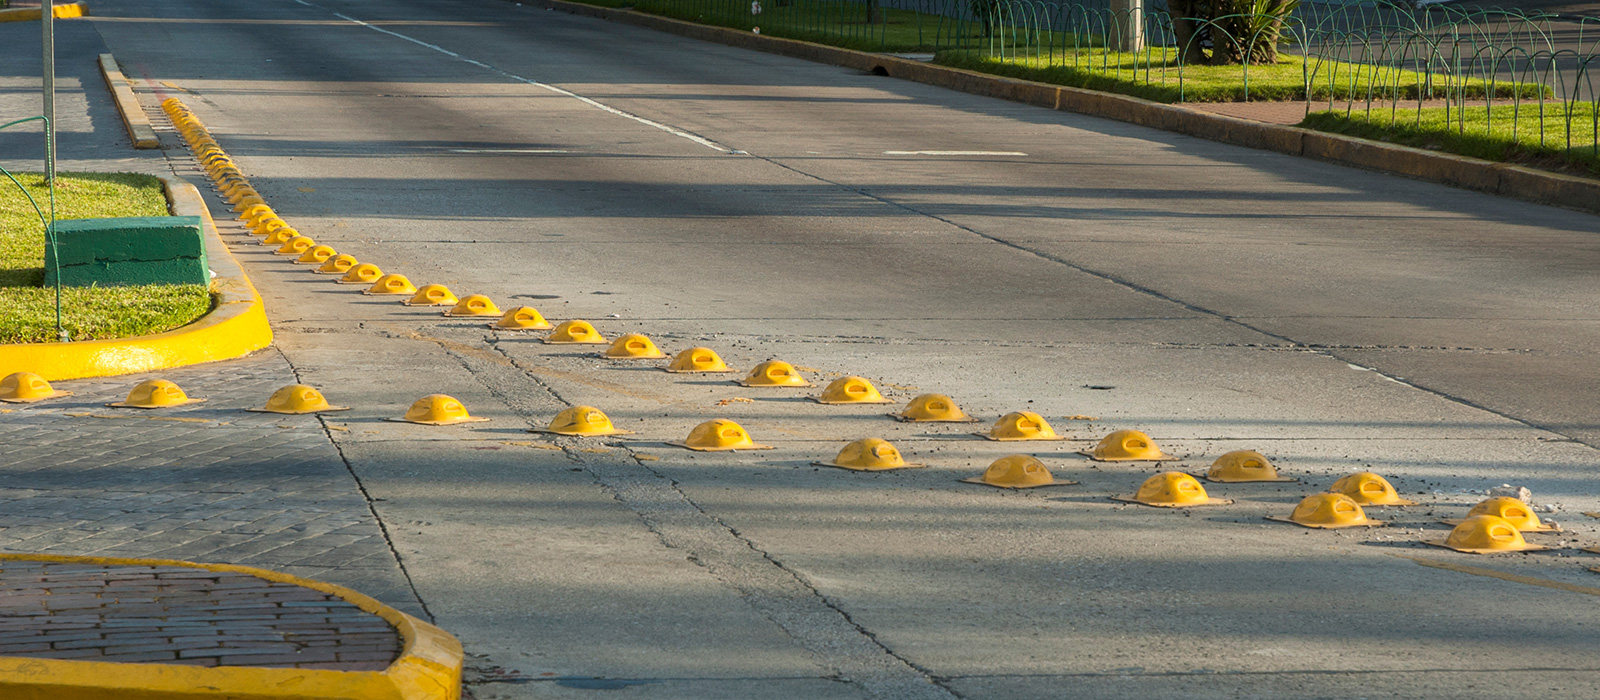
1502 575
708 143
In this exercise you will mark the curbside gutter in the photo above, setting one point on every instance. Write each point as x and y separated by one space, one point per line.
1515 181
428 668
23 14
235 327
140 131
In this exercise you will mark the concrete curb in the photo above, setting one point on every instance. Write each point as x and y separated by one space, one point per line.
1502 179
235 327
428 668
76 9
140 131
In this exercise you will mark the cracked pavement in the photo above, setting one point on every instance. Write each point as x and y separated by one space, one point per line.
1216 297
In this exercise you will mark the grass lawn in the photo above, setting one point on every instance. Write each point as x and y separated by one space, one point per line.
1501 133
27 311
840 24
1154 76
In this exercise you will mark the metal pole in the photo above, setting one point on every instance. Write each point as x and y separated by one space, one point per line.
47 19
1129 18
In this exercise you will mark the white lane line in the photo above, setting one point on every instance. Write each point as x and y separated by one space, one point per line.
508 150
954 153
708 143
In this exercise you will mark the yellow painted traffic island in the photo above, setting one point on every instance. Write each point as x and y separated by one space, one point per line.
92 628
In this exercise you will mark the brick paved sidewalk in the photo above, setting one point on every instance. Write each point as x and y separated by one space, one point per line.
182 615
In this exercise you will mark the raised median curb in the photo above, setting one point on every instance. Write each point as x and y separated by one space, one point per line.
427 668
1503 179
140 131
23 14
236 326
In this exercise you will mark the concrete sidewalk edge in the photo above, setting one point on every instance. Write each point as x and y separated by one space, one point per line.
236 326
1515 181
428 668
140 131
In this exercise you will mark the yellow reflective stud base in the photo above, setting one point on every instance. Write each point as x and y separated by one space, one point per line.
297 399
575 333
337 265
316 255
719 435
1021 425
696 360
774 373
155 393
437 409
389 285
1328 511
869 455
933 408
432 295
1243 466
1485 534
1127 446
633 346
27 387
850 390
364 273
1017 472
1513 510
474 305
1369 489
1172 490
522 318
581 421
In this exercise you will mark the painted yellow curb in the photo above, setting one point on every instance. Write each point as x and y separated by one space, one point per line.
429 666
24 14
235 327
140 131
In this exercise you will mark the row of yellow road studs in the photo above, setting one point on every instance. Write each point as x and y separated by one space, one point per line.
1495 525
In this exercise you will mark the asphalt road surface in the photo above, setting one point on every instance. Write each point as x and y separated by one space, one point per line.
1013 257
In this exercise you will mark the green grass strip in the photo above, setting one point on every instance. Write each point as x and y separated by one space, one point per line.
27 310
1556 136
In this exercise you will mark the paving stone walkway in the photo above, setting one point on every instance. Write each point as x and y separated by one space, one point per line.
182 615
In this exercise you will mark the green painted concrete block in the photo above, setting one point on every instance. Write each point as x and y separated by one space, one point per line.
128 251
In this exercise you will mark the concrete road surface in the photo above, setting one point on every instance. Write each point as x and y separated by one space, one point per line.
1014 258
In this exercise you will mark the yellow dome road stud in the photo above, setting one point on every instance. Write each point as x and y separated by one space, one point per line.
1243 466
316 255
155 393
774 373
296 246
297 399
268 225
719 435
389 285
522 318
575 333
1369 489
254 213
1017 472
432 295
1126 446
633 346
27 387
697 360
1172 490
280 236
1485 534
933 408
1021 425
850 390
582 421
1513 510
363 273
437 409
474 305
1328 511
336 265
244 201
869 455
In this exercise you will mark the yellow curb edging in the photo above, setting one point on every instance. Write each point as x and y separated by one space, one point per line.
23 14
1518 182
429 666
235 327
140 131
